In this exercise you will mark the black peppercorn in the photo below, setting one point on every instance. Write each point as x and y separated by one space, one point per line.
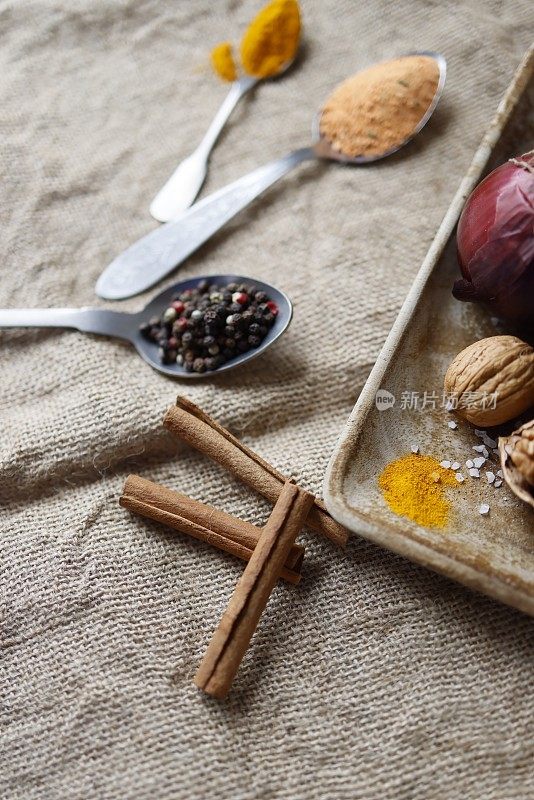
206 326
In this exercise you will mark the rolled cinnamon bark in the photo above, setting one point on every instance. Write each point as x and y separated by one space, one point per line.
201 521
194 426
239 621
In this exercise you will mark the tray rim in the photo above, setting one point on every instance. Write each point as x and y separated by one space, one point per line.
384 534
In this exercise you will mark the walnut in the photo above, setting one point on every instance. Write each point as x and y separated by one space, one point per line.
492 380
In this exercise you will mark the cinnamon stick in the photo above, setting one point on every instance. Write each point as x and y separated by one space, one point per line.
232 637
200 431
201 521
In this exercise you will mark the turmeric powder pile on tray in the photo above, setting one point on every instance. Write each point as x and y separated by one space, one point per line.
379 108
414 487
269 43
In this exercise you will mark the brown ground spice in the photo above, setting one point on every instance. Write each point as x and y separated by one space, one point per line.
377 109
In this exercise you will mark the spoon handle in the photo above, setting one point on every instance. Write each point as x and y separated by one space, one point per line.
88 320
184 184
151 258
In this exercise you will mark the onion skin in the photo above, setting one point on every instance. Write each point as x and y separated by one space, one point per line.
496 242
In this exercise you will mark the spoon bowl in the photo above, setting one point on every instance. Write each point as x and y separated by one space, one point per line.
126 326
323 148
149 350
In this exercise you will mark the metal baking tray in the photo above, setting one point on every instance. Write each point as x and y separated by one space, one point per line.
493 554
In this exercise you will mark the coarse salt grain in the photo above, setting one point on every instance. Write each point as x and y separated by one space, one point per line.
475 473
479 462
415 448
459 477
469 464
488 441
498 483
452 425
484 509
479 448
455 466
445 464
499 473
490 476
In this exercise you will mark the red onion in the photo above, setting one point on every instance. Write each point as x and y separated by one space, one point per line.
496 242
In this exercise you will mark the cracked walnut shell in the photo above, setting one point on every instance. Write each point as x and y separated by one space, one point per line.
517 459
492 380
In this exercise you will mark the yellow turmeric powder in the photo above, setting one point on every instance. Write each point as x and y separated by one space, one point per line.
272 38
413 486
222 61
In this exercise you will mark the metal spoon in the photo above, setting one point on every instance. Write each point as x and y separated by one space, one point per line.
184 184
155 255
126 326
186 181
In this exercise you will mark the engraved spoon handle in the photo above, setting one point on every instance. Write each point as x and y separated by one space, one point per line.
151 258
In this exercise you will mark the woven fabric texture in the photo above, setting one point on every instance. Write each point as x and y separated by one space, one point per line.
374 678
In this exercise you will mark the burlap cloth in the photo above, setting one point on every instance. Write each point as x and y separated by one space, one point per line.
374 678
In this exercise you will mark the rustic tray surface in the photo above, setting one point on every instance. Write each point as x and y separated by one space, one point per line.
493 554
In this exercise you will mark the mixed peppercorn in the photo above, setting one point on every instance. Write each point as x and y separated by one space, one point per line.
208 325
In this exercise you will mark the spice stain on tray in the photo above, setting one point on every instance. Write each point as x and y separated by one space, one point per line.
414 486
